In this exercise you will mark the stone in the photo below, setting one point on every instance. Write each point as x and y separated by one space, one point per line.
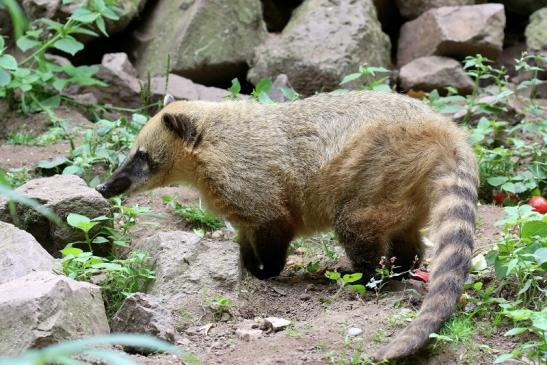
536 31
411 9
21 254
182 88
63 194
185 265
453 31
323 42
434 72
354 331
142 313
208 41
276 93
248 334
123 85
42 308
523 7
278 324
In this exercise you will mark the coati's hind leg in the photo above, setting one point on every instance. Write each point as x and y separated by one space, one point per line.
264 248
407 248
363 235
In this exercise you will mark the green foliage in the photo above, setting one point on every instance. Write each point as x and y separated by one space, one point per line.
118 278
199 217
261 90
344 282
35 82
94 347
85 225
234 90
17 15
220 305
367 74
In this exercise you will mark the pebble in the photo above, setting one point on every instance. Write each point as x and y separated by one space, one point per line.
278 324
354 331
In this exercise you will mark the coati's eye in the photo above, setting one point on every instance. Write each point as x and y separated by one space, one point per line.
145 157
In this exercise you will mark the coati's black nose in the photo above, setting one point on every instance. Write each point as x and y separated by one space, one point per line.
114 186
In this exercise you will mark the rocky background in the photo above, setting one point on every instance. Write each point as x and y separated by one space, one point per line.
193 49
313 42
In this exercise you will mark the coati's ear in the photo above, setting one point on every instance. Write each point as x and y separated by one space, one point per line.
168 99
181 125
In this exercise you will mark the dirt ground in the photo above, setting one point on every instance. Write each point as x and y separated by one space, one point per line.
318 333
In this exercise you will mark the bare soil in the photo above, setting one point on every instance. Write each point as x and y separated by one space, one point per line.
318 331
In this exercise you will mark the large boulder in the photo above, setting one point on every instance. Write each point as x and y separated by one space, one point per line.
186 265
142 313
453 31
205 40
21 254
434 72
411 9
323 41
536 31
63 194
57 10
42 308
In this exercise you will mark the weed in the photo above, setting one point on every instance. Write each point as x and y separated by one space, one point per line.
220 305
234 90
344 282
260 92
368 75
195 214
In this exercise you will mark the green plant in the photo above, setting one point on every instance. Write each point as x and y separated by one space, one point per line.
234 90
344 282
17 15
64 353
85 225
368 74
385 272
220 305
199 217
119 278
36 81
260 92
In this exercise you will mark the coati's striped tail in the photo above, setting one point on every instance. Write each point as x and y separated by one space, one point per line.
452 227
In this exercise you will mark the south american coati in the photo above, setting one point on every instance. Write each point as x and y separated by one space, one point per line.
377 167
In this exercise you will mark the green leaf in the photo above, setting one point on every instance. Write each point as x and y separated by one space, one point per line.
69 45
350 278
100 240
533 228
289 93
24 43
497 180
515 331
358 288
69 250
332 275
5 77
73 170
263 85
350 78
101 25
14 196
77 220
235 88
51 164
539 320
541 255
503 358
8 62
264 98
84 15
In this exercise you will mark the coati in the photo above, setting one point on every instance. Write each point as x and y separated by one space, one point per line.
376 167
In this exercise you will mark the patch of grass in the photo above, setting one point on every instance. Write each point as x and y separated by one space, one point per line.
199 217
220 305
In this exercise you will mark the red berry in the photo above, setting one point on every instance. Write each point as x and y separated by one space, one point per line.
539 204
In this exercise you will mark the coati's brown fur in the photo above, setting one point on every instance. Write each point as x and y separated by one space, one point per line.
375 166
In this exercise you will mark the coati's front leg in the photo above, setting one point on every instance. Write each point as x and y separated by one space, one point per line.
264 248
408 249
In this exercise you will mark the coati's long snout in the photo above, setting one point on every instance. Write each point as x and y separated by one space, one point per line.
133 173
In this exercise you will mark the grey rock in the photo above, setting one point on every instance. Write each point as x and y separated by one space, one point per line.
354 331
186 264
21 254
278 324
63 194
184 89
123 85
276 93
142 313
41 309
434 72
411 9
248 334
207 40
323 41
453 31
536 31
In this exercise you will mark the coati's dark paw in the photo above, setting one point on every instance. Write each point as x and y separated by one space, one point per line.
266 272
